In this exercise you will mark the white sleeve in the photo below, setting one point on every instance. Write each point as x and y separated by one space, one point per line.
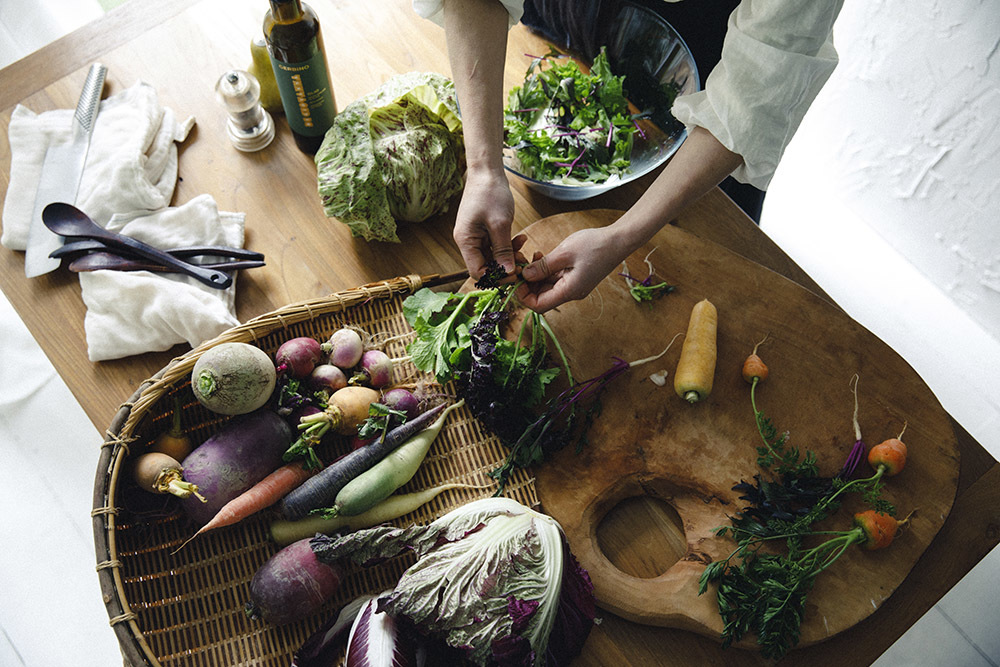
776 56
434 10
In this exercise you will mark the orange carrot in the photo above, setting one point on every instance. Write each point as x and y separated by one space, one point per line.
260 496
889 454
754 367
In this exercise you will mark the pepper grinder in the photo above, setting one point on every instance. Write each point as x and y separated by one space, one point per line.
249 126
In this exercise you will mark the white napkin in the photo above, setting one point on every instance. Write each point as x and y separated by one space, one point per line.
131 163
131 312
127 185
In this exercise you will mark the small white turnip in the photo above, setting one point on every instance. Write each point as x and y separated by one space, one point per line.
376 370
344 348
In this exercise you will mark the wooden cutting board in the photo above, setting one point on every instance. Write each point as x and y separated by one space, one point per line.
649 442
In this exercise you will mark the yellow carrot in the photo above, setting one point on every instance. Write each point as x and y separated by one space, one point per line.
696 367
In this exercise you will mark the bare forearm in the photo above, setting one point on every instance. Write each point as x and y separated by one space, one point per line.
477 45
700 164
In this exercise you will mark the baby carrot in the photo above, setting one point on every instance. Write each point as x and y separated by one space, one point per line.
879 528
889 454
754 367
696 367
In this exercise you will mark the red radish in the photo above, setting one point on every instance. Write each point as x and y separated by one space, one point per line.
403 400
889 455
376 640
260 496
291 585
233 378
297 357
246 450
344 348
321 490
162 473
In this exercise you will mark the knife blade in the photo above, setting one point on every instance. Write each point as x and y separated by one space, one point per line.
61 173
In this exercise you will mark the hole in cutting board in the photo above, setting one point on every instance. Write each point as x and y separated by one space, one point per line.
642 536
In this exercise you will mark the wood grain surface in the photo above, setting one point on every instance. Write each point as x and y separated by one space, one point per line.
181 47
648 442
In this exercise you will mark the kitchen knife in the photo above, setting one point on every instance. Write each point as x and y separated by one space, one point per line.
61 172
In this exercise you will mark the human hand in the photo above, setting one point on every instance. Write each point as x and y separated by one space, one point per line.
482 226
570 271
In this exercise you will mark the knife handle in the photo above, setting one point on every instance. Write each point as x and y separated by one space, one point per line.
90 97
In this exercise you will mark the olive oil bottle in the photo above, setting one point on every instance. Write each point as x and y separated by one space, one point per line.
295 45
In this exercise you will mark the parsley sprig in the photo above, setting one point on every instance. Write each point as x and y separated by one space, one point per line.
765 592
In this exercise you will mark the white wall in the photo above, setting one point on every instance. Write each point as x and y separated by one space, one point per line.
26 25
889 195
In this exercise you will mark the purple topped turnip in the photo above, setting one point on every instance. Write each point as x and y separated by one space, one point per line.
344 348
403 400
376 370
297 357
233 378
326 379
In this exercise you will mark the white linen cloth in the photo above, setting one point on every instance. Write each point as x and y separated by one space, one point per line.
131 312
776 56
127 185
131 162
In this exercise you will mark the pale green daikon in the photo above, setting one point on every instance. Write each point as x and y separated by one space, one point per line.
396 469
284 532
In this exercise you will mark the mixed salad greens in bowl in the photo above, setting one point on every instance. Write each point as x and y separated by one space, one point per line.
574 131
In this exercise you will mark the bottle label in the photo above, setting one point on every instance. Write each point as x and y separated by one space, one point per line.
306 95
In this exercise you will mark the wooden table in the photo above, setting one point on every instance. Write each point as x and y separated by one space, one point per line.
181 47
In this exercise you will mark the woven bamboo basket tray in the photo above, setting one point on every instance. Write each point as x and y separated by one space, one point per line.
186 608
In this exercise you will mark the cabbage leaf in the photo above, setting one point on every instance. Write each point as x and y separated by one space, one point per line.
493 578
